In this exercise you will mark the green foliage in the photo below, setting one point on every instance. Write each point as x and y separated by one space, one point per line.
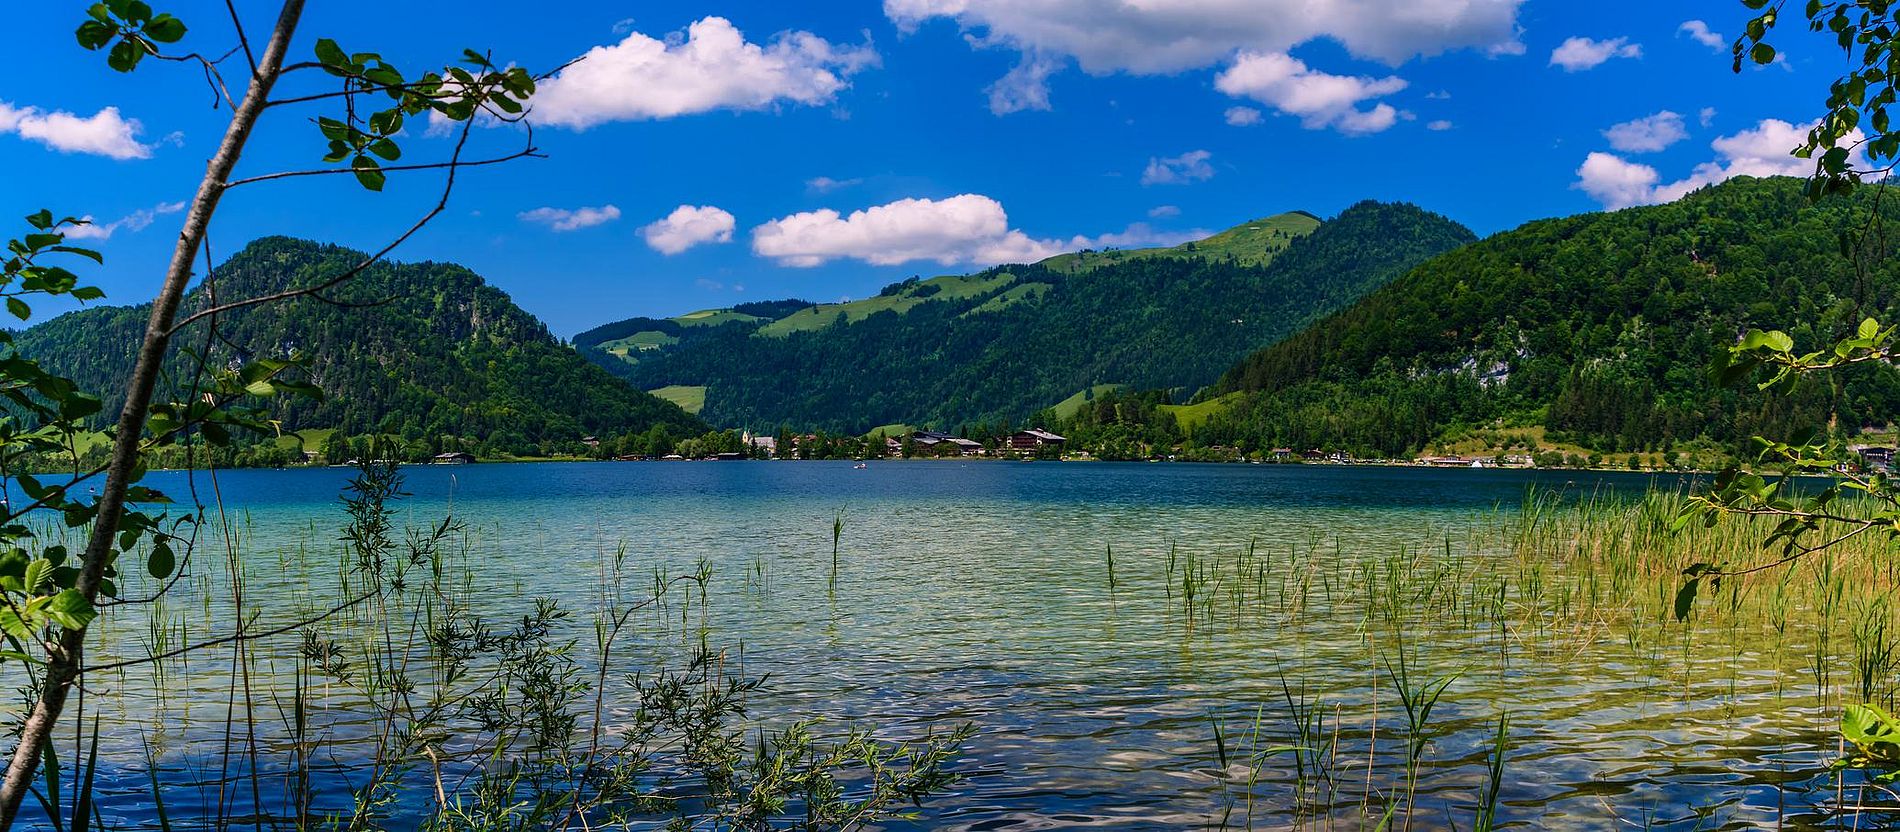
457 94
45 416
1149 323
416 351
1875 737
1857 102
1596 327
130 29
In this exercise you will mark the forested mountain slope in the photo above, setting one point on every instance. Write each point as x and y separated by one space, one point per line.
419 350
1597 328
1004 343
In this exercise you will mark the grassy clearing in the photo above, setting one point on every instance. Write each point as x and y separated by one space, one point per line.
639 342
690 399
1013 295
714 317
891 431
945 288
1191 416
1067 408
1252 243
308 439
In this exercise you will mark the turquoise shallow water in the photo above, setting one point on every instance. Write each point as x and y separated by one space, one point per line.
978 592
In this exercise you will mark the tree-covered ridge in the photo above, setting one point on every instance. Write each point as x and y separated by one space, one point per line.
1010 341
1598 328
418 350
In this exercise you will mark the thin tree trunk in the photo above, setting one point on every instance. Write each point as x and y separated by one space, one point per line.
62 667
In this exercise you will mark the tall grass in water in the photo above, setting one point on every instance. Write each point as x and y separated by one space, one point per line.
1528 606
406 699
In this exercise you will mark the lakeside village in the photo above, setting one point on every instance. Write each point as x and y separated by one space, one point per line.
1041 444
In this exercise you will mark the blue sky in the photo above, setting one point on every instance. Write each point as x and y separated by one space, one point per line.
967 131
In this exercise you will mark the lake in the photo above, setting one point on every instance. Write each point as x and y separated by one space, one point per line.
1244 599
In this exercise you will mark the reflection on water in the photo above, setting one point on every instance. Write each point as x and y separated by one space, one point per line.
1255 598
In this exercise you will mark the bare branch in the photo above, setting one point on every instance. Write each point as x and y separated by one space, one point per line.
213 77
528 152
244 41
452 166
239 636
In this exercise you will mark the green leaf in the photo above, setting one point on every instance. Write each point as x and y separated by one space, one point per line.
19 308
162 561
1685 596
94 34
333 130
36 572
368 173
126 54
1762 54
331 55
70 610
165 29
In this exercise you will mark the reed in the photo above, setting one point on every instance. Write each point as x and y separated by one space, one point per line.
410 693
1535 594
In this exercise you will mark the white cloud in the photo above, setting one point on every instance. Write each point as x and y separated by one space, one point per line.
104 133
1024 87
826 184
566 219
1188 167
1616 182
1763 150
964 228
1707 116
1319 99
136 221
1647 134
1439 125
713 67
1157 37
1166 36
1699 32
1578 54
1242 116
1163 212
968 228
688 226
1440 95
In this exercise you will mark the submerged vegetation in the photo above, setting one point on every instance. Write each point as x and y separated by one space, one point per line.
404 693
1422 688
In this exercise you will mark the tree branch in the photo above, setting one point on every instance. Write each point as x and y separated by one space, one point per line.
454 164
64 663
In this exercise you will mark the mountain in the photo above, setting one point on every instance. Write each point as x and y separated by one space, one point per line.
1007 342
420 350
1593 330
